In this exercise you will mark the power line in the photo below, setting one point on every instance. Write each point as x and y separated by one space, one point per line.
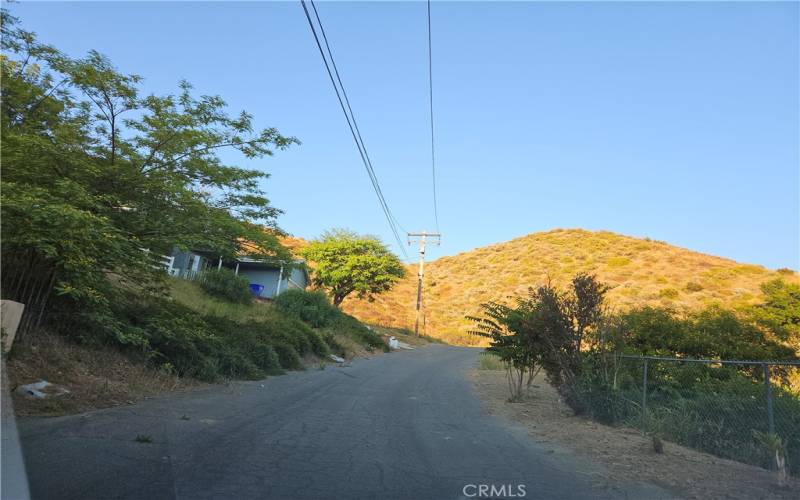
360 140
430 96
351 121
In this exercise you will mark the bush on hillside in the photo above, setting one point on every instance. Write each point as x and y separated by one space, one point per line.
206 347
315 309
350 326
312 307
224 284
251 342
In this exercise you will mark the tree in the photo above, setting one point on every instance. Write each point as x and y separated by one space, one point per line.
344 262
780 311
514 338
544 330
94 172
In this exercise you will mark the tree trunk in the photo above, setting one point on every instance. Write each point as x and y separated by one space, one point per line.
113 138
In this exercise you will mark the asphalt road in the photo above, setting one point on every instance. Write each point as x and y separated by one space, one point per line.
404 425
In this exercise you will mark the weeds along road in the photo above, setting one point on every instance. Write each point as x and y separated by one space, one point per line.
402 425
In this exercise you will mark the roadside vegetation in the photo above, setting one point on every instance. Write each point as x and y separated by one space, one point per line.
100 180
316 309
577 343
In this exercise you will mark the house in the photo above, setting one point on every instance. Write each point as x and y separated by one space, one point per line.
273 277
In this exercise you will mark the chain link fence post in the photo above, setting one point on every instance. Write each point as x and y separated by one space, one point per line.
644 397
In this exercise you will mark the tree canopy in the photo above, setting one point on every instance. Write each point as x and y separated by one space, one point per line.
345 262
94 171
780 311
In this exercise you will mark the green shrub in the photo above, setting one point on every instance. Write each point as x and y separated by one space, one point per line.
178 336
318 344
315 309
224 284
211 347
288 356
249 348
348 325
250 342
298 334
312 307
334 346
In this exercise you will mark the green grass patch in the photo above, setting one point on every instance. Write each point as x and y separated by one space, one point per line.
490 361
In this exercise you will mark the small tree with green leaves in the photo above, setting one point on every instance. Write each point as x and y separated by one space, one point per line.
344 262
499 323
545 329
776 447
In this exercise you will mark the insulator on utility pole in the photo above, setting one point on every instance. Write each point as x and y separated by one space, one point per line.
422 238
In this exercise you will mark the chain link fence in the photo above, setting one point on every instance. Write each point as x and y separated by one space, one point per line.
719 407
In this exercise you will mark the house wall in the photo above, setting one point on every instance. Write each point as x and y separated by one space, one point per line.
188 264
299 277
268 278
181 260
186 261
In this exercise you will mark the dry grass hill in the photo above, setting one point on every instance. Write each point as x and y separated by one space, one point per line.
640 271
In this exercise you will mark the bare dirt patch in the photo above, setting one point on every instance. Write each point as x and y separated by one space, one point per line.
625 453
95 377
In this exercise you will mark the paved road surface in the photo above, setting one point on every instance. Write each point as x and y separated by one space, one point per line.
403 425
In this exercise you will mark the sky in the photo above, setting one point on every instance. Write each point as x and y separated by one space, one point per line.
677 121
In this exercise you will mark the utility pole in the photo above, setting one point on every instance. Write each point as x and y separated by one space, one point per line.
423 240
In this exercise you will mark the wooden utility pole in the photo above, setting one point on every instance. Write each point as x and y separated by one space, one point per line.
423 240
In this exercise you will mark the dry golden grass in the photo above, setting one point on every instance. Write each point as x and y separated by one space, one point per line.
624 454
640 272
97 377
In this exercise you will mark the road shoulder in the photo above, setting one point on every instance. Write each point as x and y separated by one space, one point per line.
625 454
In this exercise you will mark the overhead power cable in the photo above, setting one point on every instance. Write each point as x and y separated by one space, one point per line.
430 96
344 102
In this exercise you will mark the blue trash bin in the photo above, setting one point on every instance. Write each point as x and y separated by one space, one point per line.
256 289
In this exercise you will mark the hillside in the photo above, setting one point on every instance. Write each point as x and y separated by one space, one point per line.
640 271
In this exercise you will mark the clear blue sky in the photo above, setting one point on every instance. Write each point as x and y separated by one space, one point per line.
677 121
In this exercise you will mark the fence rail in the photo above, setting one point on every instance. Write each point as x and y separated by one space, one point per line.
712 361
716 406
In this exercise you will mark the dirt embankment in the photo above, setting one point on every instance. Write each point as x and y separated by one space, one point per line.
625 453
95 377
103 377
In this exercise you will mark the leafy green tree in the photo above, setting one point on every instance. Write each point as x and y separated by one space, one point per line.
94 172
514 339
544 330
344 262
780 311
